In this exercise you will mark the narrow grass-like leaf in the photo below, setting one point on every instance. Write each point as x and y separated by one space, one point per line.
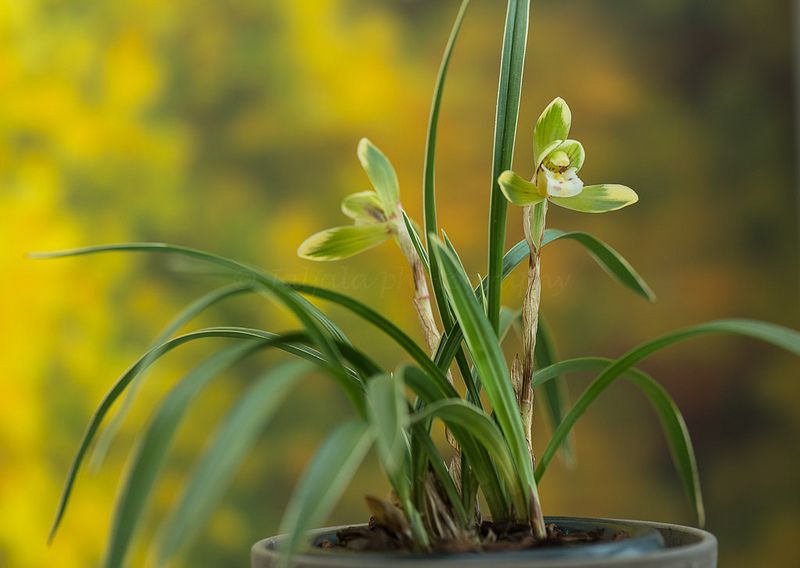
479 460
454 253
429 173
275 288
284 293
484 347
343 242
614 263
444 307
770 333
351 384
554 393
451 341
512 62
435 371
469 419
609 259
187 314
507 318
431 453
416 241
232 441
678 440
153 446
334 330
387 412
381 323
676 433
470 376
323 482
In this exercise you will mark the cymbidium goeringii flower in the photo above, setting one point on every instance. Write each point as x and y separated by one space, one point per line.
375 213
558 161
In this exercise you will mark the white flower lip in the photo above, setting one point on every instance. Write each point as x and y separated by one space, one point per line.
566 184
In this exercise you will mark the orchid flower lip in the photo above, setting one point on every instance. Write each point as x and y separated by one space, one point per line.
562 184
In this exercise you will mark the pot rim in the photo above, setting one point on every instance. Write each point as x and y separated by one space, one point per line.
701 542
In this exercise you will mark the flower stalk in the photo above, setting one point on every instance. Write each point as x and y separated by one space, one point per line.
557 160
534 221
422 297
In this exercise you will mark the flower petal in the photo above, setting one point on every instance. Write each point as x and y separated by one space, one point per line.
567 184
599 198
575 151
517 190
381 174
549 149
343 242
553 124
363 207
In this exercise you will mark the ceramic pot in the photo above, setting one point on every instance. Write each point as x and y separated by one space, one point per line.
651 545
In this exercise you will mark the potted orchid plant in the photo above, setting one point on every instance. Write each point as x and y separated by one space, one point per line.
475 500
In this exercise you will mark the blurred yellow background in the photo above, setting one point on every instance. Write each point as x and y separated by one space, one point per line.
232 126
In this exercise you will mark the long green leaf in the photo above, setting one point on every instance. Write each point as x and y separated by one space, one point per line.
233 440
676 433
187 314
285 293
429 174
470 376
387 412
468 419
431 452
609 259
515 256
452 340
484 347
153 446
479 460
351 383
275 288
323 482
512 63
429 201
382 323
777 335
678 440
310 318
416 241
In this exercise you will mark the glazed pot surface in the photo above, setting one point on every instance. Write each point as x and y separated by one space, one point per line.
653 545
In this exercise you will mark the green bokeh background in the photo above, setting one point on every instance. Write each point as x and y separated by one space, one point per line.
232 126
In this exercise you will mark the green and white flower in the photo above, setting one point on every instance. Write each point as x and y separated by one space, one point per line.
374 213
558 161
